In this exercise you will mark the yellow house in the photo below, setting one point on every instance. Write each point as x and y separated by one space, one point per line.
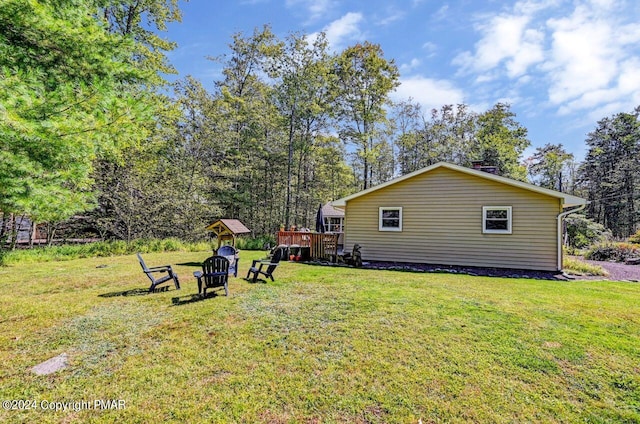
446 214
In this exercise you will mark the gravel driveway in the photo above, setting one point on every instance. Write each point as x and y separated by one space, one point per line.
617 271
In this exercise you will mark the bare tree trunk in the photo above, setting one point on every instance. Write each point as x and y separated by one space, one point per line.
4 228
14 231
32 233
51 232
287 209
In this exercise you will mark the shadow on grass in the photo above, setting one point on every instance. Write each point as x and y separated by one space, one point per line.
135 292
132 292
258 281
192 298
190 264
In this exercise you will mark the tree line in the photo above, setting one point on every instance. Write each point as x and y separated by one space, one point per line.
92 135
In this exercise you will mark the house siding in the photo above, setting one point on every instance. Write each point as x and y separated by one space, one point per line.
442 223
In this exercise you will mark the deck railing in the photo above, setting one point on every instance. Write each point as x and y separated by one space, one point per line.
322 246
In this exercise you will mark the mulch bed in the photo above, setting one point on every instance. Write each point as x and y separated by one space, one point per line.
449 269
617 271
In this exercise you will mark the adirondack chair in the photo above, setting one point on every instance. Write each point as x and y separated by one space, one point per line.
270 264
214 274
352 258
231 253
155 282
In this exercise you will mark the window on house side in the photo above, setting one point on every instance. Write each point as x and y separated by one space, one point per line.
390 219
496 219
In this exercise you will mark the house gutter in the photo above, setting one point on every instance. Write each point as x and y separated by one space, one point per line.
559 232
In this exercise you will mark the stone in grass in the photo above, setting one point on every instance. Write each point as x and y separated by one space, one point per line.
52 365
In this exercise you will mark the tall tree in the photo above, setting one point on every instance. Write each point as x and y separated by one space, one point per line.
249 122
301 70
143 20
407 119
501 140
66 98
549 166
611 173
450 135
364 81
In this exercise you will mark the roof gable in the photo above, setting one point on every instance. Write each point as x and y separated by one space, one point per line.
329 211
567 199
228 227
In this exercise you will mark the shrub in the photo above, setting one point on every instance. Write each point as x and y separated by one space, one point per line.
172 245
199 246
139 245
635 239
583 232
618 252
155 245
97 249
255 243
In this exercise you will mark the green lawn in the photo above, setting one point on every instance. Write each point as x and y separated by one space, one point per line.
320 344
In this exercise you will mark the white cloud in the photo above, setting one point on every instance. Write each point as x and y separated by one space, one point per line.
506 39
531 7
441 13
429 93
591 63
389 15
407 67
622 95
316 8
343 30
585 51
430 47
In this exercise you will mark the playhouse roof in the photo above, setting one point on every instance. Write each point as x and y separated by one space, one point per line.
228 227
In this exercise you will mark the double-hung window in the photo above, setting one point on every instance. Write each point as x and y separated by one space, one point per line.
496 219
390 219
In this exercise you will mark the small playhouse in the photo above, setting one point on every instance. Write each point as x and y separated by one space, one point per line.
226 231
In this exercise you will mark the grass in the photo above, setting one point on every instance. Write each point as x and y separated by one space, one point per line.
67 252
320 344
577 267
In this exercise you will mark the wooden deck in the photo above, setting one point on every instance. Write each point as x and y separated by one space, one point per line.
322 246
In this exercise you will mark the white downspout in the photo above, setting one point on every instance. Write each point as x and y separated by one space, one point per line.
559 218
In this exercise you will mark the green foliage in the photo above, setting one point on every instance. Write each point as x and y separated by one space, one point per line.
364 80
457 135
611 173
302 95
583 232
548 164
141 21
635 239
501 140
71 91
255 243
617 252
99 249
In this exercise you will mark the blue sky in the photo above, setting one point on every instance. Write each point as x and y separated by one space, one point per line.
561 64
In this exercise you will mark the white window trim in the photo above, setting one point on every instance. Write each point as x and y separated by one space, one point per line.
387 208
493 208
